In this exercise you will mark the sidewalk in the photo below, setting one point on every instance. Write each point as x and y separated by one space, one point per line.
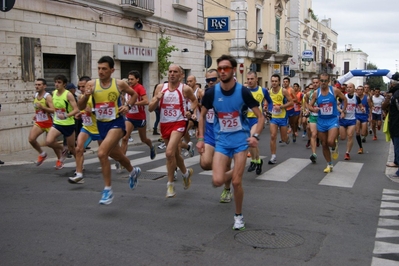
30 156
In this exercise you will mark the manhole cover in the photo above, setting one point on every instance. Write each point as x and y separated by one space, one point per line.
269 239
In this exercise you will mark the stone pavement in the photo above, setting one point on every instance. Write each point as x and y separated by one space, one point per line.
30 155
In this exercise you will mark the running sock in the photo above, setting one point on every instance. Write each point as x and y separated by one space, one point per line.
79 174
43 154
359 141
186 174
107 188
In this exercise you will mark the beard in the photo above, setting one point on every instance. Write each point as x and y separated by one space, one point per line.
227 80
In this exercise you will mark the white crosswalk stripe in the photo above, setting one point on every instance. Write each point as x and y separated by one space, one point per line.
284 171
232 164
344 175
387 210
95 160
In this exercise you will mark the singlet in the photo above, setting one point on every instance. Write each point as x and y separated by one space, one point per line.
258 95
327 104
62 106
277 99
230 122
172 104
291 92
298 105
350 107
106 101
315 104
89 120
42 118
137 112
365 104
377 104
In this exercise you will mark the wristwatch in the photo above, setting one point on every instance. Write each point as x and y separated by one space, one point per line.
191 111
256 136
129 106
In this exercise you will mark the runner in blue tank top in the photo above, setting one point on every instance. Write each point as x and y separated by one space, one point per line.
230 101
327 121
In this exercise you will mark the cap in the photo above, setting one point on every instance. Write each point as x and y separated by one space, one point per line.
70 86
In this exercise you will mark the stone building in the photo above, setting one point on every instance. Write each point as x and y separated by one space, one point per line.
42 38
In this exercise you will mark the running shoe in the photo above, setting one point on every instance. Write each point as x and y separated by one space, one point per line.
273 161
118 167
170 190
313 157
304 134
226 196
131 139
347 157
288 140
162 146
239 223
187 180
370 131
76 180
329 168
134 175
252 167
190 149
294 138
59 165
106 197
153 152
259 167
335 151
175 175
308 144
360 151
375 138
41 159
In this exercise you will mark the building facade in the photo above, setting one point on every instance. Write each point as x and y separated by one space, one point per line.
350 59
43 38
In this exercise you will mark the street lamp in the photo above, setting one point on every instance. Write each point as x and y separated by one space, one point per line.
259 34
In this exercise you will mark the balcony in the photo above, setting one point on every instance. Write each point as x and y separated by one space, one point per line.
328 68
141 7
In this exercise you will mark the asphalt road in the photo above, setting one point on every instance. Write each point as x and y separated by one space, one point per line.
304 220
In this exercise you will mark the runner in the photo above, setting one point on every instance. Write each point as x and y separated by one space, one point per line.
281 100
312 120
63 122
376 121
362 118
105 93
327 121
170 98
88 132
43 104
230 101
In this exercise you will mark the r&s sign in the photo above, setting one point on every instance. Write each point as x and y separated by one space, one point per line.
218 24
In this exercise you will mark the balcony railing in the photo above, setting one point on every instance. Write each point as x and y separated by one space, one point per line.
143 7
280 46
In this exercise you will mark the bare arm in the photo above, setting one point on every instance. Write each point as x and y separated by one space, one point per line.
157 97
88 90
72 101
289 102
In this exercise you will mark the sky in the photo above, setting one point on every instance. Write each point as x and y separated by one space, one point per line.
372 26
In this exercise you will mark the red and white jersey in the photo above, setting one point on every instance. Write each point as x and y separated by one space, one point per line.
172 105
377 104
137 112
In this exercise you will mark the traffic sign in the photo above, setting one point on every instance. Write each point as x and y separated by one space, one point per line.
307 55
6 5
207 61
241 68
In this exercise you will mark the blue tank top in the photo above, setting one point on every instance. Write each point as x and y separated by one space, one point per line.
230 124
365 104
327 104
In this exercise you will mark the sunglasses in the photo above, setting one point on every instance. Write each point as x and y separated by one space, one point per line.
324 80
226 68
211 79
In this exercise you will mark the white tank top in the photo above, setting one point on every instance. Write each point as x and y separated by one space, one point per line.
172 105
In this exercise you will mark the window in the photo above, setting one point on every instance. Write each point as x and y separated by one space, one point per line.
278 33
346 67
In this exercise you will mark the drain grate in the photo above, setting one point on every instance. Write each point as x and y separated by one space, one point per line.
269 239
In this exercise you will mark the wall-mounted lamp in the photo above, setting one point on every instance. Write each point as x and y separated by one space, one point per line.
184 50
259 34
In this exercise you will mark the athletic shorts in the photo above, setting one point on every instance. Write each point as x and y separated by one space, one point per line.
290 112
252 121
136 123
281 122
376 117
229 152
347 122
362 118
325 124
104 127
66 131
209 137
195 122
312 119
44 129
168 128
91 135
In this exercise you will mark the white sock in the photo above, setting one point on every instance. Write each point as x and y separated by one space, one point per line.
186 174
79 174
107 188
43 154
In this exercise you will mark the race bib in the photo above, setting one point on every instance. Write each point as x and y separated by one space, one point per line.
171 110
86 119
41 116
350 108
210 116
59 112
275 111
105 111
134 109
326 109
230 122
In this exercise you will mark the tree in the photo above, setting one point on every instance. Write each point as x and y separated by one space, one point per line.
164 50
375 82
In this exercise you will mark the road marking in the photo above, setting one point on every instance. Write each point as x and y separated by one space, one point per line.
209 172
387 197
284 171
382 232
385 212
95 160
187 161
388 222
383 262
385 204
385 248
344 175
390 191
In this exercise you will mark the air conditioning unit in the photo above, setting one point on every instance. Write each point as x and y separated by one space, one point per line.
208 45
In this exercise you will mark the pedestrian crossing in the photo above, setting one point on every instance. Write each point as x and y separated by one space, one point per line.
387 230
344 175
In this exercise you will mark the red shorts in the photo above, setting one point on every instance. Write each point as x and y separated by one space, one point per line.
167 128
